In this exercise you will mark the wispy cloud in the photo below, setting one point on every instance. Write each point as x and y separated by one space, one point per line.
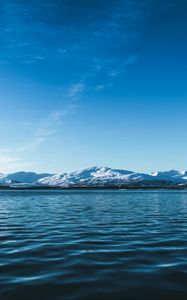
121 68
76 89
16 157
91 46
32 39
10 162
6 159
46 129
100 87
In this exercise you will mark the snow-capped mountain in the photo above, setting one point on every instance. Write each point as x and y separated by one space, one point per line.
21 178
172 175
95 177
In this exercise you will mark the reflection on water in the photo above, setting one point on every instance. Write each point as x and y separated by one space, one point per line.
93 245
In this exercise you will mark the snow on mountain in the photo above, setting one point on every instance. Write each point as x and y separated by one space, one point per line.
22 177
1 175
90 176
172 175
95 176
99 176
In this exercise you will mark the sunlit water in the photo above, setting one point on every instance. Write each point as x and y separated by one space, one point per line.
93 245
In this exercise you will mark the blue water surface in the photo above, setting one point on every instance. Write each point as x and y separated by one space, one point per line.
93 245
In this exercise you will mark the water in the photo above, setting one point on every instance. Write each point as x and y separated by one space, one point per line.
93 245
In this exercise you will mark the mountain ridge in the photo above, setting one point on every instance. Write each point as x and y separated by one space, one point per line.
95 177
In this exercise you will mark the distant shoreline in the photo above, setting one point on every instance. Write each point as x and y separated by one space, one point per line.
6 188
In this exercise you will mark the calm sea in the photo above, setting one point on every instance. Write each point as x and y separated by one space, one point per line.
93 245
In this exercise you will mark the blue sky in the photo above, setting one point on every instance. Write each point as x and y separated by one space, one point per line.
86 83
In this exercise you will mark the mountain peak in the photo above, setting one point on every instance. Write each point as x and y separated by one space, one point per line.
92 176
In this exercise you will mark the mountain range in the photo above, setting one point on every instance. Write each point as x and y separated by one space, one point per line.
95 177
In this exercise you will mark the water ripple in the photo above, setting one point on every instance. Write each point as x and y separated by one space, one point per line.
93 245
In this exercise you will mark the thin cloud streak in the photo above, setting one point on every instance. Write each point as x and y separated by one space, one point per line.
10 158
94 51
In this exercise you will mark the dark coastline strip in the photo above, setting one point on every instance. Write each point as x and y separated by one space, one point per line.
97 188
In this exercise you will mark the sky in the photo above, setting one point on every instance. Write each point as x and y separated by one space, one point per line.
93 83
